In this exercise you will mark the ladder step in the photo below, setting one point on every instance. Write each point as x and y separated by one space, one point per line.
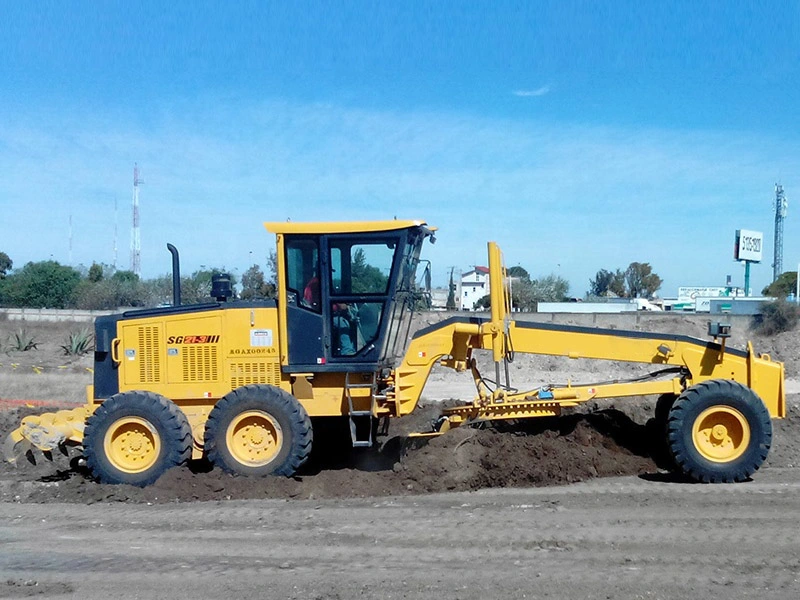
357 443
360 413
358 385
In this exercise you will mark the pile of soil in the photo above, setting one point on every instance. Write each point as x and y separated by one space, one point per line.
541 452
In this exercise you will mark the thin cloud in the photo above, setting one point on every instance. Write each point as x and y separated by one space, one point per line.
542 91
621 190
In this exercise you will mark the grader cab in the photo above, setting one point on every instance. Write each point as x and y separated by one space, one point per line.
242 383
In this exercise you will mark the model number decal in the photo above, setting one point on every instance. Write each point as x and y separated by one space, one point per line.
242 351
193 339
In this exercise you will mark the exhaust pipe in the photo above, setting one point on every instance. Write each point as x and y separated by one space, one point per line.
176 275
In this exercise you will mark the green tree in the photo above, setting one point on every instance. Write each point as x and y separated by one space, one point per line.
617 285
607 283
111 294
641 281
522 295
255 286
785 284
272 268
95 273
451 293
525 294
5 264
45 284
483 303
551 288
196 288
125 276
364 277
519 273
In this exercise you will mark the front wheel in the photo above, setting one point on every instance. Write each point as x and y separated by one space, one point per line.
134 437
719 431
258 430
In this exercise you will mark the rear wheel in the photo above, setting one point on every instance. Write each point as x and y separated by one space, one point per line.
258 430
719 431
134 437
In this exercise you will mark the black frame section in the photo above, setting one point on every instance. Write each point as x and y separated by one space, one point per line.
307 336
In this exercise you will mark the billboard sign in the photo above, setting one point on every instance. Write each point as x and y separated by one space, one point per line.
702 304
690 294
749 245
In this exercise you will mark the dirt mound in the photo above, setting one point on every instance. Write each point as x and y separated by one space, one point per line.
545 452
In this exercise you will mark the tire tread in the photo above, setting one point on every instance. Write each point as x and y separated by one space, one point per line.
177 436
299 422
701 396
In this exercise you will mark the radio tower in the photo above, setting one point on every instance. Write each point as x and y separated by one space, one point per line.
780 215
136 242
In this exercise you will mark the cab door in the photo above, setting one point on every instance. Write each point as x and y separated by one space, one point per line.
304 301
359 290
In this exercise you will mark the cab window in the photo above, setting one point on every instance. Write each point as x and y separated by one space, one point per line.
361 267
355 325
302 274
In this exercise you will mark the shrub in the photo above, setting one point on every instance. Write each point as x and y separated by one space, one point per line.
78 343
777 317
22 341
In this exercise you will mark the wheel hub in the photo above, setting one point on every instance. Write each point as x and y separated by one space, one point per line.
721 434
254 438
132 444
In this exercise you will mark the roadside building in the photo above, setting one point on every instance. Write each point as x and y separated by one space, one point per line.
474 286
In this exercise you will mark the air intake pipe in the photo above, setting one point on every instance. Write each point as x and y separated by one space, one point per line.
176 275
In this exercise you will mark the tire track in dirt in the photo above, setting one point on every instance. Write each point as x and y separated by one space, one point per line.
618 536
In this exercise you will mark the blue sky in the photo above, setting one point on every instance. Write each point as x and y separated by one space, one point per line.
579 135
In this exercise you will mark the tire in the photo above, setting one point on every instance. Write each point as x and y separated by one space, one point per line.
134 437
258 430
658 432
719 431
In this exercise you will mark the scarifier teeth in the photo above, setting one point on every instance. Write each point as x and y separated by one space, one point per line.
14 447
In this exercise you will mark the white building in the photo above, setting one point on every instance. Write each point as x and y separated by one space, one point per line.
474 286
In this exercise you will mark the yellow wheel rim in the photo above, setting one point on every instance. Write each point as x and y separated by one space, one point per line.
721 434
132 444
254 438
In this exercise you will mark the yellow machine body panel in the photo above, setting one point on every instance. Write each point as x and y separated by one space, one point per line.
192 356
196 358
291 227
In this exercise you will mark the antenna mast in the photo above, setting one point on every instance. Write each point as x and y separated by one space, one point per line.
781 204
136 242
116 222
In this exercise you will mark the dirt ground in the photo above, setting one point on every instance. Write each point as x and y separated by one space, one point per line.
570 508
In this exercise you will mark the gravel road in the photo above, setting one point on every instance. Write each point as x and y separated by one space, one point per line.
626 537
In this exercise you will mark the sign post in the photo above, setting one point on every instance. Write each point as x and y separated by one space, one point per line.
748 248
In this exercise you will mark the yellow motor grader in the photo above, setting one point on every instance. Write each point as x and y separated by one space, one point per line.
242 382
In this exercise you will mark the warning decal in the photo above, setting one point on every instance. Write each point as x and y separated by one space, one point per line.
260 338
